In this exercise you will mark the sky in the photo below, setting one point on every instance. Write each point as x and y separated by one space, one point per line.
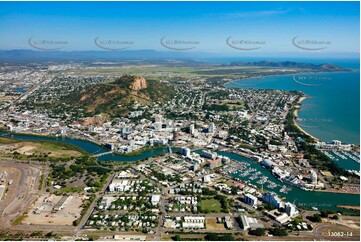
263 27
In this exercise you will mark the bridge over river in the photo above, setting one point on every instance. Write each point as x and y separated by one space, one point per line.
105 153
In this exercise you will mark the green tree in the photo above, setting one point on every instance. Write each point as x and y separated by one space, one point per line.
279 232
317 218
324 214
258 232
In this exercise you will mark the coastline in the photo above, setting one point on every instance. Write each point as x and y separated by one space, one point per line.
325 124
348 207
276 75
337 191
295 113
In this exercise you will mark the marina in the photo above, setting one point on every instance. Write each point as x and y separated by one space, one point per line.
285 189
306 199
345 159
245 167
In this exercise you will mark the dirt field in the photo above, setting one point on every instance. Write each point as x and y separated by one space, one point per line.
43 213
34 148
211 224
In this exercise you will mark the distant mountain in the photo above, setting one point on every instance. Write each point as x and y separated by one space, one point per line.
117 98
171 58
31 56
291 64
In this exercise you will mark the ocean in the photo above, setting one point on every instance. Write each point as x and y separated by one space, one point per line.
332 111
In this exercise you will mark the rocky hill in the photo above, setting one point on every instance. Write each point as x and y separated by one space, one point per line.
117 97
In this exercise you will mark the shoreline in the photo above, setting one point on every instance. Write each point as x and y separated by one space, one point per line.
337 191
295 113
349 207
276 75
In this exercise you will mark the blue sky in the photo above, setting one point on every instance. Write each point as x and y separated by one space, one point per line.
209 23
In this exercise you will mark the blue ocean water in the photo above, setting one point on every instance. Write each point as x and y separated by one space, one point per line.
332 110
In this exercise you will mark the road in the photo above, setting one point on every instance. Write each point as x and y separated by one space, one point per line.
165 196
91 207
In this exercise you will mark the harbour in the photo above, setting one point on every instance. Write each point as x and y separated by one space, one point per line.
246 168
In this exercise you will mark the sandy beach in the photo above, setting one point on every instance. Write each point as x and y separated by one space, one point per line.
296 116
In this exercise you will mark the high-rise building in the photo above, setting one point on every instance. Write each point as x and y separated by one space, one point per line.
211 128
273 199
186 151
208 154
313 176
191 129
290 209
250 199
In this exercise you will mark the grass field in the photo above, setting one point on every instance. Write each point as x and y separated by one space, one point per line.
4 140
19 219
52 149
211 205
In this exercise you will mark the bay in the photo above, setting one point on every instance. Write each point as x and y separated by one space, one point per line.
332 111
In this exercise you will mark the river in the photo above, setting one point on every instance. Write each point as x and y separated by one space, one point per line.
92 148
308 199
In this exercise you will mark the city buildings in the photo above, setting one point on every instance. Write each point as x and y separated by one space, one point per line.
250 199
273 199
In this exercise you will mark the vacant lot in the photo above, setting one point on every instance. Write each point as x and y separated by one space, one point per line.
40 149
211 205
211 224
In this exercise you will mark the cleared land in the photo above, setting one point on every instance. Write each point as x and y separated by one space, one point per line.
52 149
37 148
211 224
